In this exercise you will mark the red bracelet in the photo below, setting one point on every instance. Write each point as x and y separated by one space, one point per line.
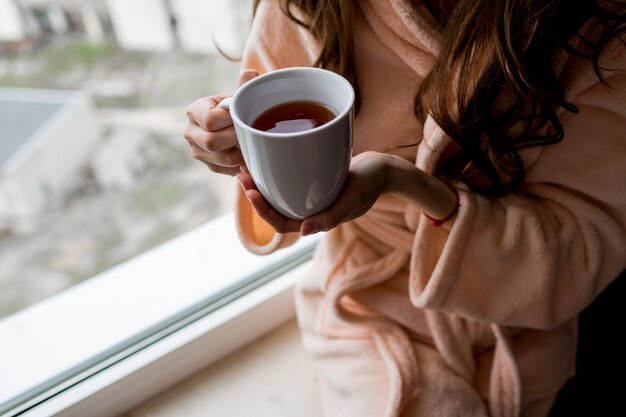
437 222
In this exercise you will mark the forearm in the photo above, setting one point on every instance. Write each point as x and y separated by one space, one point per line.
416 187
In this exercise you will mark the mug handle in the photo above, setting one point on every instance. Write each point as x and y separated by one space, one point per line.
224 104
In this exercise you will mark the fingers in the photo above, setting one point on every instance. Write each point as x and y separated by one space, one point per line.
210 141
203 113
225 162
222 170
351 204
278 222
366 182
210 132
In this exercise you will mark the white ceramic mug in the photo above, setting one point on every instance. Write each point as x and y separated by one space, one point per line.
298 173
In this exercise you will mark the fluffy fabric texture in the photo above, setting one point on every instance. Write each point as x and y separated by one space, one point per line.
407 319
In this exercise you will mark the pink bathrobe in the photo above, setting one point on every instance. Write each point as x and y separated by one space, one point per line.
407 319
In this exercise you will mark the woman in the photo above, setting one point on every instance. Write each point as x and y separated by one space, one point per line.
484 209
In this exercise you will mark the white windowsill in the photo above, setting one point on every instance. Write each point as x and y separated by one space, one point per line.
274 376
89 322
130 383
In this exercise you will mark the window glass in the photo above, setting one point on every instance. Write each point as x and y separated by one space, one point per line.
93 166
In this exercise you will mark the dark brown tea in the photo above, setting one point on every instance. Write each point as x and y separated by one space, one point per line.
294 116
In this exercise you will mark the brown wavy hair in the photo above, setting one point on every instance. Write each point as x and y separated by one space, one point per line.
487 47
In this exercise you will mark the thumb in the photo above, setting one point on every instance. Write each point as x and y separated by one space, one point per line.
245 76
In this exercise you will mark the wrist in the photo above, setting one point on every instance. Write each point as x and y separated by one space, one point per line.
433 196
441 221
403 178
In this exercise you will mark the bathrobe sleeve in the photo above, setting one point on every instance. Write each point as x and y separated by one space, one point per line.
537 257
274 42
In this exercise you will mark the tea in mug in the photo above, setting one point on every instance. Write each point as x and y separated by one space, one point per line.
294 116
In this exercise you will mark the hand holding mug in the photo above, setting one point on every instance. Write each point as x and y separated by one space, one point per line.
210 132
294 128
366 182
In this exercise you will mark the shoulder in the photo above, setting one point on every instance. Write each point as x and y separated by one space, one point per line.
276 41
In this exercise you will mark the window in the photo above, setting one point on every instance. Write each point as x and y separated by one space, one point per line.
93 168
111 237
55 344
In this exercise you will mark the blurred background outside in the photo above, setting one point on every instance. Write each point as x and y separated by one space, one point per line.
93 166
